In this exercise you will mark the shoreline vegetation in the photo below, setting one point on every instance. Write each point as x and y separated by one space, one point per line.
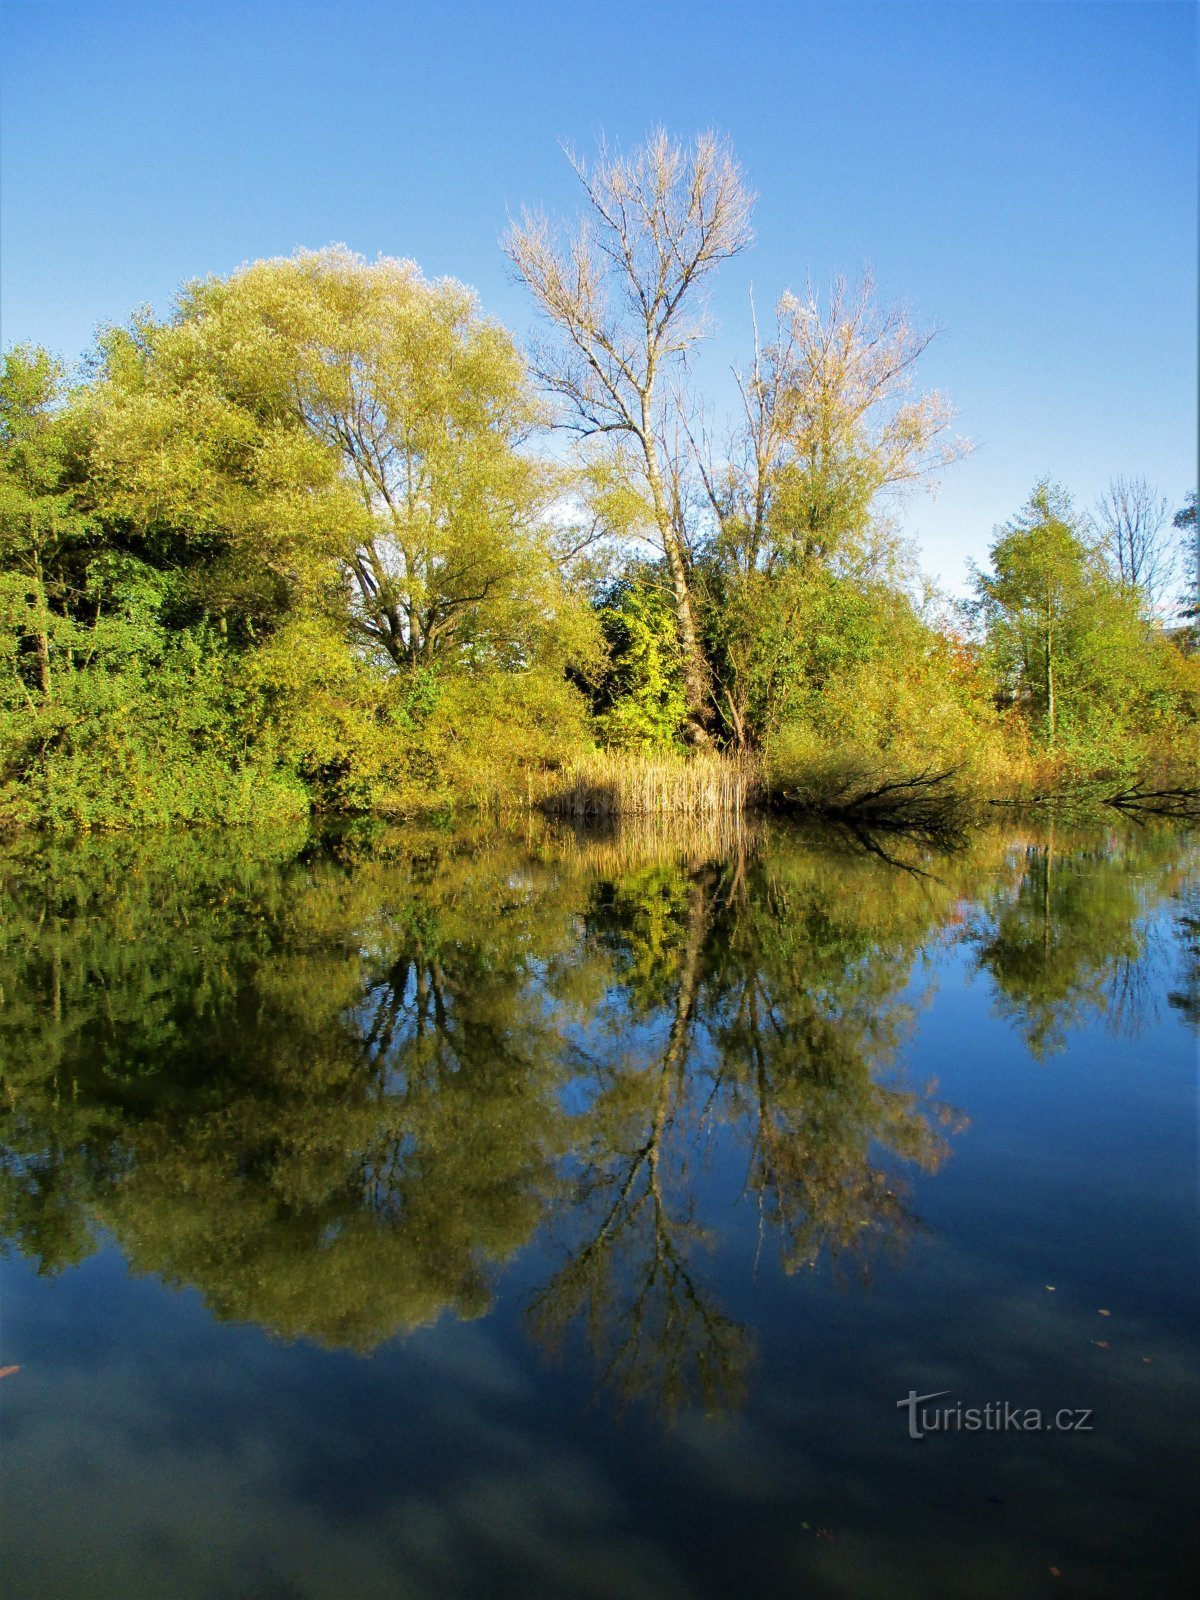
325 540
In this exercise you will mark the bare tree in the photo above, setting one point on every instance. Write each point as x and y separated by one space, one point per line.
1133 520
831 420
623 291
1189 551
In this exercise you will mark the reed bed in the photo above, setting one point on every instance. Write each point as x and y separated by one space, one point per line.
623 785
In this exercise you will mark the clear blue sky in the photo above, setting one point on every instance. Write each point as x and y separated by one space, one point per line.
1025 174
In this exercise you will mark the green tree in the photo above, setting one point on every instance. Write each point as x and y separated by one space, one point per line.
1037 598
1071 647
639 700
43 524
355 434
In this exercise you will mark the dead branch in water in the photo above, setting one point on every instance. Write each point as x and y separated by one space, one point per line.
1179 801
925 805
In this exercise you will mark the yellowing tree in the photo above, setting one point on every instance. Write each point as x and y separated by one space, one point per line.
344 433
623 292
832 420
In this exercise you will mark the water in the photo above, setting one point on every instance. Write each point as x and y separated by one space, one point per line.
431 1214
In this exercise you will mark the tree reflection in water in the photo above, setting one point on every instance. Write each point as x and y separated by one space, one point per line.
335 1083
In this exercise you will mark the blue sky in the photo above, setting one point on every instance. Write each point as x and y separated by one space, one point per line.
1023 174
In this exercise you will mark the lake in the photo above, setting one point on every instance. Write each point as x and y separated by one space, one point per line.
493 1212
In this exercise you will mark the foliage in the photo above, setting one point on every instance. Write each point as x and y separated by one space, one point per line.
640 701
301 544
246 564
1072 648
815 664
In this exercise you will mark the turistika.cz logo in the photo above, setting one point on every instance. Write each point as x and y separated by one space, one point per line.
998 1416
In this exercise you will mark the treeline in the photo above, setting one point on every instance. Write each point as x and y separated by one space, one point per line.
312 541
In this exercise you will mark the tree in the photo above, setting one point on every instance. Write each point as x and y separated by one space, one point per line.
352 435
1070 643
1036 595
622 292
832 423
831 420
1185 520
1132 520
638 701
42 525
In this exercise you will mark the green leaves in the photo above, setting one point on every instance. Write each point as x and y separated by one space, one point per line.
1072 650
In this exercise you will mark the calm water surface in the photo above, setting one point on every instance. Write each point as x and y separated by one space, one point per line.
428 1215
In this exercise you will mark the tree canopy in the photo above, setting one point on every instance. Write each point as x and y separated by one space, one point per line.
312 540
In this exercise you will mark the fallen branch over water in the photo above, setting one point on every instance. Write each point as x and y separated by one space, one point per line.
925 804
1179 801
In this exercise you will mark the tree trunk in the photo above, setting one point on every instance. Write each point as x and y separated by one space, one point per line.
695 667
42 636
696 683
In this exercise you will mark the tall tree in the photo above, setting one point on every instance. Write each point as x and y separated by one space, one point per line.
1036 596
1189 529
623 293
354 434
1132 518
831 420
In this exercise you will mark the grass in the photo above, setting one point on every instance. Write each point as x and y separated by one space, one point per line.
623 785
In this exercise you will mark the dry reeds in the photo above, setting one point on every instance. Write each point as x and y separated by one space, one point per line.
612 785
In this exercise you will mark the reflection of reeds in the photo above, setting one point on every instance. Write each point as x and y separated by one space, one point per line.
613 846
607 785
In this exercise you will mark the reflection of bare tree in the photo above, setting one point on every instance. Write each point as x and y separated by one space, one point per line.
807 1022
1186 997
630 1279
1131 990
780 1019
